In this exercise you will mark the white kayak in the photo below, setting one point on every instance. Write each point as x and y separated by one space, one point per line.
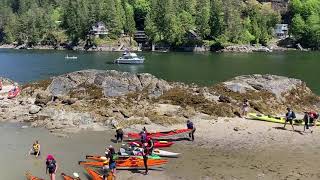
163 153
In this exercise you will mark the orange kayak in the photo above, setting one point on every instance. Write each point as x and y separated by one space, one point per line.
128 163
66 177
30 177
96 176
96 158
93 174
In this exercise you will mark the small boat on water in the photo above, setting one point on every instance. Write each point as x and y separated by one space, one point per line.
71 57
129 58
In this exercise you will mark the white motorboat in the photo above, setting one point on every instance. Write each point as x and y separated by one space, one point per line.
129 58
71 57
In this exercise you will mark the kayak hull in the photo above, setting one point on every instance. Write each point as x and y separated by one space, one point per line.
31 177
93 174
127 163
66 177
157 144
102 158
163 153
159 135
274 119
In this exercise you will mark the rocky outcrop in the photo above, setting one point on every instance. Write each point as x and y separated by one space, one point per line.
109 83
94 99
277 85
246 49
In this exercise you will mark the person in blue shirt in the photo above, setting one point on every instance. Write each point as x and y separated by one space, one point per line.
290 116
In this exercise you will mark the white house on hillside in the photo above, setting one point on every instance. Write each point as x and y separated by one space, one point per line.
281 31
98 29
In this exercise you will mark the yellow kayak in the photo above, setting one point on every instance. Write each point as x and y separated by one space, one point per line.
274 119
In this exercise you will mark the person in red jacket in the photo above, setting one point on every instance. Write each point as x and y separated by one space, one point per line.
310 119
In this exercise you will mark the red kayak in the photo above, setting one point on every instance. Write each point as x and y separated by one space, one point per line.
157 144
161 134
14 93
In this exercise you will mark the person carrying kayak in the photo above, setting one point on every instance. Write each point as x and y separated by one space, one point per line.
35 149
190 125
119 134
51 167
245 107
310 119
290 116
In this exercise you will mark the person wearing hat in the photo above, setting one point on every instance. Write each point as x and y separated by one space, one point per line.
290 116
51 167
119 134
191 126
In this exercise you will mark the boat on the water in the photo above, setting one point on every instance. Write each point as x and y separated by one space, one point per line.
71 57
129 58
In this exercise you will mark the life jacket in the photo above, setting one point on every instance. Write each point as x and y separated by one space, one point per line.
313 115
144 137
51 164
36 147
190 125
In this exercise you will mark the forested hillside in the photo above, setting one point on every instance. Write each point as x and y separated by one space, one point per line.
219 22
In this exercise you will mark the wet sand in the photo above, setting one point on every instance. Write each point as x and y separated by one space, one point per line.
264 153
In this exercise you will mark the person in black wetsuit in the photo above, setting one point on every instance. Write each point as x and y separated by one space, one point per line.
145 154
119 134
190 125
51 167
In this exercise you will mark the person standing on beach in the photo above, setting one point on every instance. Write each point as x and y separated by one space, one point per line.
290 116
51 167
245 107
310 119
111 158
119 134
145 154
191 126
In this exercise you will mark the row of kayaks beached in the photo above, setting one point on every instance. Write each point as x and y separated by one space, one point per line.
160 135
274 119
64 176
130 161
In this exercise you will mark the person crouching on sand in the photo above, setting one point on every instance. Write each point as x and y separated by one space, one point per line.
290 116
35 149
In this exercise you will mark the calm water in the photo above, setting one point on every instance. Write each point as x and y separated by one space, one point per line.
203 69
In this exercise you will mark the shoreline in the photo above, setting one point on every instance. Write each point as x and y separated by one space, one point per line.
228 49
218 152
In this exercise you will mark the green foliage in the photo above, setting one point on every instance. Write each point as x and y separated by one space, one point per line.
306 22
171 22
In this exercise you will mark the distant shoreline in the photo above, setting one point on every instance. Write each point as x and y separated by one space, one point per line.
229 49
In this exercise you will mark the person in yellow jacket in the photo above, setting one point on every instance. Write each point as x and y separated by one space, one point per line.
36 148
